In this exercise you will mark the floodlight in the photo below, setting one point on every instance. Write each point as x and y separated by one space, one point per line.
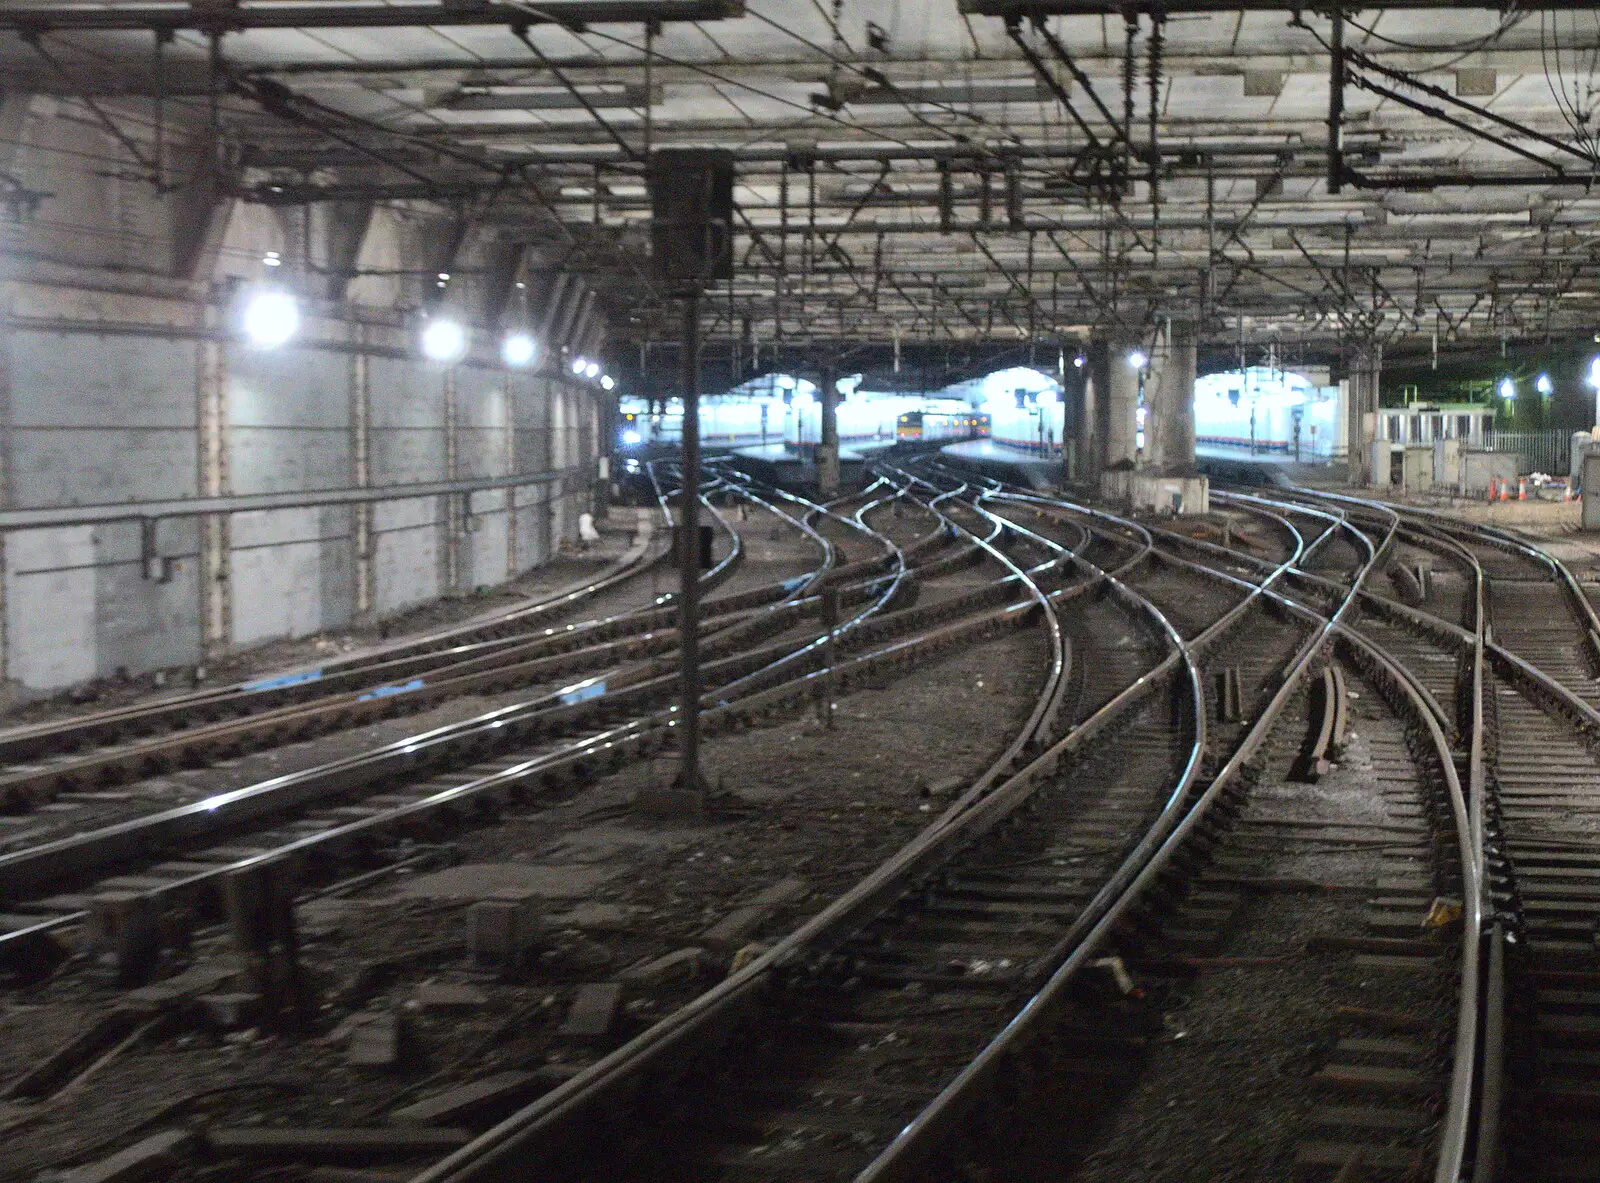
631 437
1508 389
592 370
579 364
444 340
1138 359
270 318
607 382
1543 384
518 349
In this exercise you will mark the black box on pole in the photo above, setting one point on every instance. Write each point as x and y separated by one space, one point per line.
691 204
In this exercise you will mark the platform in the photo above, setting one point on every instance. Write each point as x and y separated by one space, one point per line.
1005 463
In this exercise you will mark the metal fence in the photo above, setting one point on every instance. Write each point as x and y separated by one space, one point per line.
1541 451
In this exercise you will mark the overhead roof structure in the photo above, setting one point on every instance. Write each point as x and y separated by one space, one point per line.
916 172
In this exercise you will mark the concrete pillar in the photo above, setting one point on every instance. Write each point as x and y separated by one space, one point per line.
1122 405
1169 398
1086 426
361 515
1366 366
828 445
216 544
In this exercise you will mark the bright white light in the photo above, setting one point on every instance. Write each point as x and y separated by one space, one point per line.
273 259
607 382
1079 361
1594 373
1138 359
579 365
631 437
518 349
271 318
444 340
1543 384
1508 389
592 370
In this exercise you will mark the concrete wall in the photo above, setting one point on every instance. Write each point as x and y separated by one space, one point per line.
120 415
122 381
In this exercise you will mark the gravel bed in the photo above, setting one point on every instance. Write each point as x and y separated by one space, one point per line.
802 800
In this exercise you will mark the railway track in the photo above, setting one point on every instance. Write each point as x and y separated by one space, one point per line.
174 858
1129 816
1016 888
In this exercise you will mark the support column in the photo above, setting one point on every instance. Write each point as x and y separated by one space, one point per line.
1086 424
211 419
361 476
1122 406
508 465
1366 365
828 445
1169 399
450 574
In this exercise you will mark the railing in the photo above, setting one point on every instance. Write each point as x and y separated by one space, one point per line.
1541 451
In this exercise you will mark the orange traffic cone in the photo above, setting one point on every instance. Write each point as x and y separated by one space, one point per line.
1522 488
1494 483
1505 490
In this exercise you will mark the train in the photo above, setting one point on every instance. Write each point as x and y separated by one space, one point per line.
743 422
942 425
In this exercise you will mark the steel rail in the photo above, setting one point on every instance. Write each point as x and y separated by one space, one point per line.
515 1143
602 746
907 1154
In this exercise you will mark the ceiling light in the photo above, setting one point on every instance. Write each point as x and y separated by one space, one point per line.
1138 359
271 318
1508 389
444 340
518 349
1594 373
579 365
607 382
273 259
592 370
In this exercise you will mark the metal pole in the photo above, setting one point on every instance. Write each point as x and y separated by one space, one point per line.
689 557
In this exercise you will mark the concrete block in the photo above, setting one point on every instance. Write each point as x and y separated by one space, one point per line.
448 996
679 963
502 928
148 1158
488 1099
593 1011
232 1011
324 1144
375 1041
493 1096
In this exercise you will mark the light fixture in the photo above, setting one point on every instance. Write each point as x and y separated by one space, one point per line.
1543 384
579 365
1138 359
1079 361
271 318
607 382
592 370
518 349
273 259
631 437
1594 373
1508 390
444 340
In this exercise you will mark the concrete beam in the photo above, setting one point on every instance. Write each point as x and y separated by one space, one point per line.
199 207
345 226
